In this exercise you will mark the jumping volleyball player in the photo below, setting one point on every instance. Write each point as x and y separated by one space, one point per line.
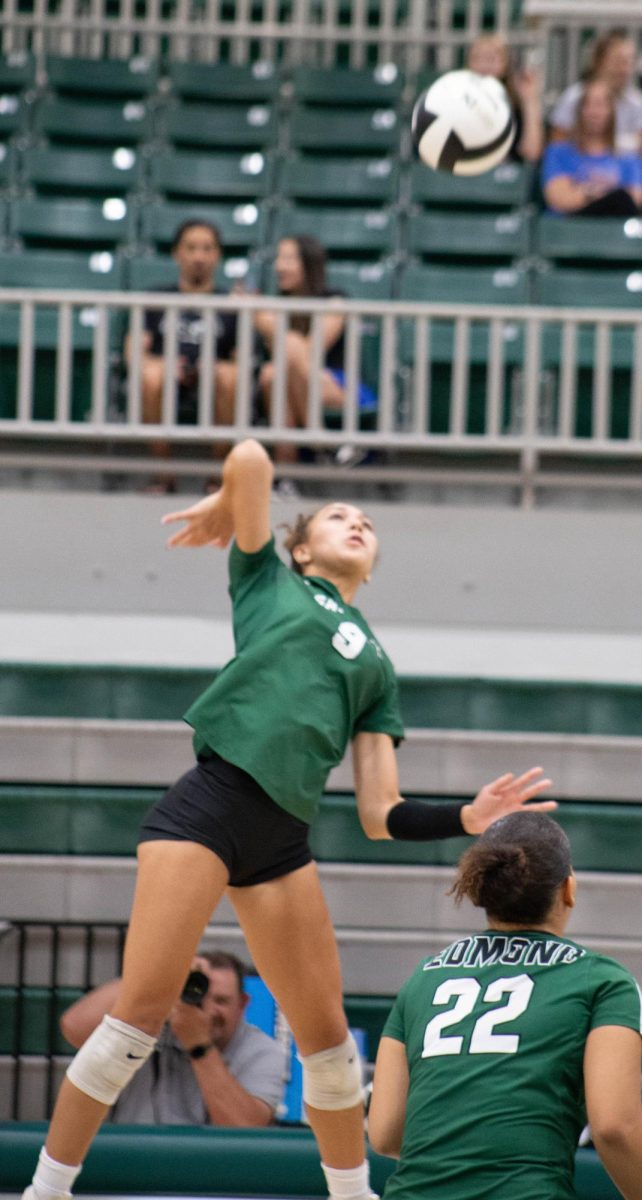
308 676
499 1046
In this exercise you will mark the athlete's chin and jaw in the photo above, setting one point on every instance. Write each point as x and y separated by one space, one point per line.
341 540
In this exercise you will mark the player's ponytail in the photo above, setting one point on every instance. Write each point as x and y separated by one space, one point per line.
515 868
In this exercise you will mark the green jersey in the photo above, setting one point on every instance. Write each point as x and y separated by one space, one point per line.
495 1028
308 675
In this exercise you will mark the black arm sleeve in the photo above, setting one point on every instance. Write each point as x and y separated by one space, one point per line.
416 821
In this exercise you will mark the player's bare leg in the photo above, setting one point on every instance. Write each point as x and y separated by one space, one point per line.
178 886
290 937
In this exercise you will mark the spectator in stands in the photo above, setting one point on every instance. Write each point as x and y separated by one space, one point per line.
209 1067
612 61
490 55
498 1045
196 249
300 268
585 175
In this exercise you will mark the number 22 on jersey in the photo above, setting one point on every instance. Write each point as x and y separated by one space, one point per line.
483 1040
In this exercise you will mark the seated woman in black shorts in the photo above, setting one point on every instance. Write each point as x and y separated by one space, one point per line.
308 677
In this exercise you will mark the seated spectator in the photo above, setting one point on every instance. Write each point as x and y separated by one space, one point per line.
586 175
196 249
490 55
210 1067
300 267
612 61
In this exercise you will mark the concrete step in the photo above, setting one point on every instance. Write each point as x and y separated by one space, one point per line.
69 888
439 762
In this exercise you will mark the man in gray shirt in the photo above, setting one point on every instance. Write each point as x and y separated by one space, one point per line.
209 1067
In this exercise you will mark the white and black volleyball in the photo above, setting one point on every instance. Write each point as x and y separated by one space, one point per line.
463 123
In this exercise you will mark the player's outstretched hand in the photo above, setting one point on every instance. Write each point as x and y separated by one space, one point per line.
506 795
209 522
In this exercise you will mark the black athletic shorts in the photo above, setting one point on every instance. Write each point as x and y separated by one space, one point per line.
223 808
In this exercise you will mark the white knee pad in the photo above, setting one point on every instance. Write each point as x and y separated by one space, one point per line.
332 1078
109 1058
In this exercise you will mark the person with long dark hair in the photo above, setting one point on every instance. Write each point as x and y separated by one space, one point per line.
612 59
498 1046
300 269
585 175
308 677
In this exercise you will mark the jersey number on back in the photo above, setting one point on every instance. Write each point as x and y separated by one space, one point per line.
483 1039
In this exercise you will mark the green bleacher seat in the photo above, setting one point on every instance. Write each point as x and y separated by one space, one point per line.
71 221
224 81
7 164
589 289
17 71
80 120
350 230
360 131
242 226
45 343
62 170
508 186
362 281
212 176
319 179
465 285
136 76
605 239
100 270
325 85
13 114
240 125
159 271
459 235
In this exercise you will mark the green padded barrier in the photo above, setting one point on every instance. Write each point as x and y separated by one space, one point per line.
244 126
71 221
453 235
589 289
17 71
117 123
101 270
212 176
40 1013
320 178
54 169
241 225
238 1162
508 186
603 238
224 81
43 819
164 693
102 76
353 230
327 85
360 131
461 285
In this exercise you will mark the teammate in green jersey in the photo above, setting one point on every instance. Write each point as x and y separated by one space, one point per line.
308 677
498 1047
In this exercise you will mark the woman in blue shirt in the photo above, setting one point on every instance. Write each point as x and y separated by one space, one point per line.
586 175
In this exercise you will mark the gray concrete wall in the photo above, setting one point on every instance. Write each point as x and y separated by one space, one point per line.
440 566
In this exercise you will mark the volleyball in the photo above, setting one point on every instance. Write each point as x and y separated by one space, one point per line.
463 123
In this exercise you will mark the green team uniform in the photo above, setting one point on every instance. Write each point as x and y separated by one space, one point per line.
307 676
495 1028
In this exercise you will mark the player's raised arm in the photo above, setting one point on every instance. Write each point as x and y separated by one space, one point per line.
240 509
